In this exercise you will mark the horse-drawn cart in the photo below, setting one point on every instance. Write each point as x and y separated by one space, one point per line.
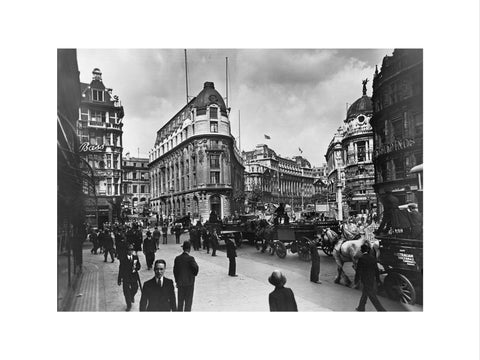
225 231
402 261
280 238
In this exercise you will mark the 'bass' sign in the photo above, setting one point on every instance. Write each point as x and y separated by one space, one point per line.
86 147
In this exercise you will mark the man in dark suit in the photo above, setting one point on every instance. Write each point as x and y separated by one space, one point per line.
367 270
128 274
185 268
149 249
107 245
158 293
315 269
231 254
282 298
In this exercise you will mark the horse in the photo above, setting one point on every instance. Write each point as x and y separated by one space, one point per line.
264 234
346 248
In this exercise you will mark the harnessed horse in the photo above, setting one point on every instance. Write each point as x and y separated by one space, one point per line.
346 248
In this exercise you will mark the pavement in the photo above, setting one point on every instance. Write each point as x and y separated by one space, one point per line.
96 288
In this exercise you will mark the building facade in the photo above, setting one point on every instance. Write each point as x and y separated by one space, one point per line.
74 178
195 166
351 174
278 179
336 174
100 132
397 122
357 144
136 184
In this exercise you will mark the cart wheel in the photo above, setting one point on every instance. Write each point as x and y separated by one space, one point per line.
328 250
281 250
399 288
304 253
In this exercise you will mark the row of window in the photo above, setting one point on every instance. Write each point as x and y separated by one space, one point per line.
410 125
133 175
134 164
93 138
109 187
98 116
398 168
169 145
105 163
143 189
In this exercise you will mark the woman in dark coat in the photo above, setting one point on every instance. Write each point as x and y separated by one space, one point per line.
282 298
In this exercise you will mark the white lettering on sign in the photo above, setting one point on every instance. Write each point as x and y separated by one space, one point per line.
406 258
86 147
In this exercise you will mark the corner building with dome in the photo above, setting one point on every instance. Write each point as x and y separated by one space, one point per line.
350 158
195 166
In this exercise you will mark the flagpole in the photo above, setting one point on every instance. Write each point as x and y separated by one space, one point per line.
186 73
239 144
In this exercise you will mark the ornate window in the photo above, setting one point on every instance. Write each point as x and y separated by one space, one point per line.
97 95
213 113
214 126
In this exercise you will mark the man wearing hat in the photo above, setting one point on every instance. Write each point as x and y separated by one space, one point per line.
367 269
158 293
231 254
128 274
149 249
185 268
282 298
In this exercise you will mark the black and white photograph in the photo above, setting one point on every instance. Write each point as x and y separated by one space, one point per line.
299 179
298 170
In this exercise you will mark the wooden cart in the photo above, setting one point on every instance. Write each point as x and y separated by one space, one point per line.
402 262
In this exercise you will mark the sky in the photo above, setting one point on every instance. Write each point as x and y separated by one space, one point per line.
297 97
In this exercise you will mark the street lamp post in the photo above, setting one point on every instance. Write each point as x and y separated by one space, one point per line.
171 203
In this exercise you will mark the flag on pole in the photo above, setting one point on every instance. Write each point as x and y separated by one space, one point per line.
266 136
301 151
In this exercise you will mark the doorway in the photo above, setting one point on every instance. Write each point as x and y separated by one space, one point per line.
216 205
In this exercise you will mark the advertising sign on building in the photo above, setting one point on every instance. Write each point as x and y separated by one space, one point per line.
86 147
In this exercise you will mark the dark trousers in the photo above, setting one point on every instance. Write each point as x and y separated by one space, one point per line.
111 252
185 298
164 238
206 245
130 288
177 238
371 293
150 258
315 270
232 266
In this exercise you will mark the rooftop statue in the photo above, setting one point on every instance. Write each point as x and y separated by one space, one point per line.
364 82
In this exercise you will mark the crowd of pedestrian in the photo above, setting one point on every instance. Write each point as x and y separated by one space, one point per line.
125 241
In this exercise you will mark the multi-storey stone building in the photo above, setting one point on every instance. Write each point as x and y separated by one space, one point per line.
100 132
397 122
357 144
336 173
280 179
195 166
136 184
349 160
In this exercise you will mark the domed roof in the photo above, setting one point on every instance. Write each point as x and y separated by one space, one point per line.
361 106
209 96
